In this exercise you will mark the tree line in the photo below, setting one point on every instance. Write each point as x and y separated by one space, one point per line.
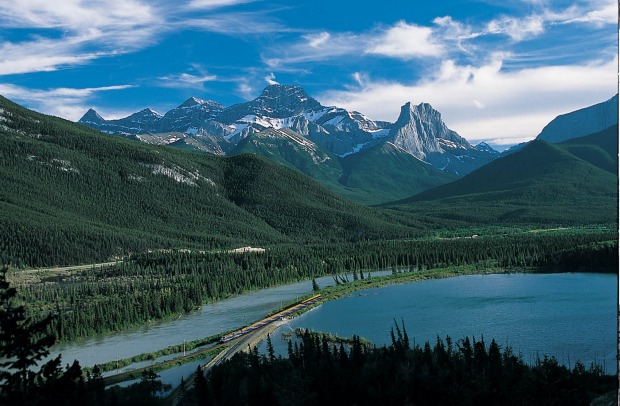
158 285
463 372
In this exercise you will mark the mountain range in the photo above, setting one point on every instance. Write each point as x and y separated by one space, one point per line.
214 128
71 194
285 124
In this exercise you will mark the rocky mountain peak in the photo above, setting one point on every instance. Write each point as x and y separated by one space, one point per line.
91 116
195 102
284 100
581 122
147 113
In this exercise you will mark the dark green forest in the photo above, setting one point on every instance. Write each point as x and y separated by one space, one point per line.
316 371
447 372
73 195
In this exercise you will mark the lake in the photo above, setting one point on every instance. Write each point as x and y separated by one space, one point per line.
572 316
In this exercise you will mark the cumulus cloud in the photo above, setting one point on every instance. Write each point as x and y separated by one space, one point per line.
406 41
271 79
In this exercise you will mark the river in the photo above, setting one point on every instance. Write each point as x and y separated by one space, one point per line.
214 318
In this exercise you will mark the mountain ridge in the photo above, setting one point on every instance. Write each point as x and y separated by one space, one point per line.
542 182
340 131
581 122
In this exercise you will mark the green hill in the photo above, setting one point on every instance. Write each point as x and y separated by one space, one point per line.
540 184
288 148
600 149
375 175
71 195
386 172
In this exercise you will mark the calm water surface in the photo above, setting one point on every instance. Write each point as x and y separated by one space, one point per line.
570 315
214 318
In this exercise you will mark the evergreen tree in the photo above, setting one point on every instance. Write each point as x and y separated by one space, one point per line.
23 343
270 351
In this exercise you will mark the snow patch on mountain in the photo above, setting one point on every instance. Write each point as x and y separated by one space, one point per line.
179 174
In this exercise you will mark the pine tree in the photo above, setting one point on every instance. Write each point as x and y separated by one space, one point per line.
23 343
270 351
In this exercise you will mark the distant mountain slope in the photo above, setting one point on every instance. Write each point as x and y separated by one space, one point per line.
542 183
600 149
71 194
289 148
382 173
387 172
581 122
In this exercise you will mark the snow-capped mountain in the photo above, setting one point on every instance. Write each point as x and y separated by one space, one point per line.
419 129
582 122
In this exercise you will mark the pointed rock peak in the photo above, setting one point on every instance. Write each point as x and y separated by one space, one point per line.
277 89
91 116
192 101
483 146
196 102
423 111
148 112
286 94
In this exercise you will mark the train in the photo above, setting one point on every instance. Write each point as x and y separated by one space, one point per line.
270 319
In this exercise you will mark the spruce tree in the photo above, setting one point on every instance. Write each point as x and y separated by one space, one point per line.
23 344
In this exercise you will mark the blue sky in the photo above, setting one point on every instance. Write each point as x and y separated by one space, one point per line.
497 70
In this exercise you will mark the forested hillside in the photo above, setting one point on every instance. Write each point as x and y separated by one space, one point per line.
568 184
71 195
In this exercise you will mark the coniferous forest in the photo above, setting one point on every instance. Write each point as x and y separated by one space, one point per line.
460 372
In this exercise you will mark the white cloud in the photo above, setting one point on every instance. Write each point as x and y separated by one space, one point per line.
401 41
186 80
517 29
69 103
317 40
600 13
406 41
517 104
271 79
235 23
211 4
75 32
